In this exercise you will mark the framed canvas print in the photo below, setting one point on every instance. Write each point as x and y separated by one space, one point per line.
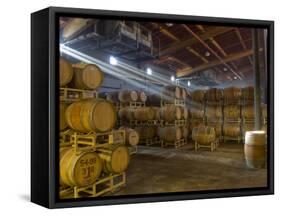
139 107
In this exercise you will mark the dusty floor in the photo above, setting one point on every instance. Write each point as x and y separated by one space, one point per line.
155 169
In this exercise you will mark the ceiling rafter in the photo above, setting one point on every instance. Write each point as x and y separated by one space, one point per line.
237 31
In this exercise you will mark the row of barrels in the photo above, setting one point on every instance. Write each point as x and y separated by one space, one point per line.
80 76
126 96
85 168
167 113
228 94
165 133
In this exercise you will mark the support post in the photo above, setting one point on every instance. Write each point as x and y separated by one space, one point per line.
256 65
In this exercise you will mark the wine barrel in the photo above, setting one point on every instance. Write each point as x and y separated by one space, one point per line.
213 94
198 95
63 124
144 113
214 111
248 111
169 133
157 113
231 129
184 112
66 72
203 134
79 170
87 76
131 136
184 131
170 113
255 149
231 94
183 93
193 124
97 115
148 132
126 113
231 111
142 97
126 96
248 93
153 100
196 113
217 126
171 92
115 160
247 127
112 97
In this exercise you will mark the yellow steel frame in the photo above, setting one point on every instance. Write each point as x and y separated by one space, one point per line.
213 145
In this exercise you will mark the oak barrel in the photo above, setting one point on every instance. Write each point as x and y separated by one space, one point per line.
96 115
144 113
169 133
255 149
171 92
131 136
66 72
248 93
79 169
231 111
231 129
157 113
184 131
142 97
87 76
214 111
204 134
183 93
115 160
63 124
198 95
231 94
213 94
126 113
185 113
217 126
196 113
170 113
126 96
148 132
248 111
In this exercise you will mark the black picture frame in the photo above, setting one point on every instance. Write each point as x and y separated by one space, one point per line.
44 107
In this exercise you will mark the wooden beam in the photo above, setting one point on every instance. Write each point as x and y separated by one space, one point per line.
197 54
178 45
243 43
229 58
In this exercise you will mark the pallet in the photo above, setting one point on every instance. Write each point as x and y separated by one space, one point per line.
135 104
104 185
70 95
132 150
150 142
177 144
213 145
134 123
92 140
176 102
229 138
179 122
65 137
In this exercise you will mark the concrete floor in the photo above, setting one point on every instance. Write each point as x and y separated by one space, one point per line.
156 170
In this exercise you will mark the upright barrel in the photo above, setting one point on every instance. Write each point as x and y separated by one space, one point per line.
79 170
66 72
96 115
115 160
87 76
255 149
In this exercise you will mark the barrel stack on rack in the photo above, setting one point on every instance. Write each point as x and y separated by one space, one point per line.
90 155
197 109
232 114
214 110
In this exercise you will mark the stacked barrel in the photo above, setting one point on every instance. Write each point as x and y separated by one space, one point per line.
89 118
232 114
197 109
214 110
